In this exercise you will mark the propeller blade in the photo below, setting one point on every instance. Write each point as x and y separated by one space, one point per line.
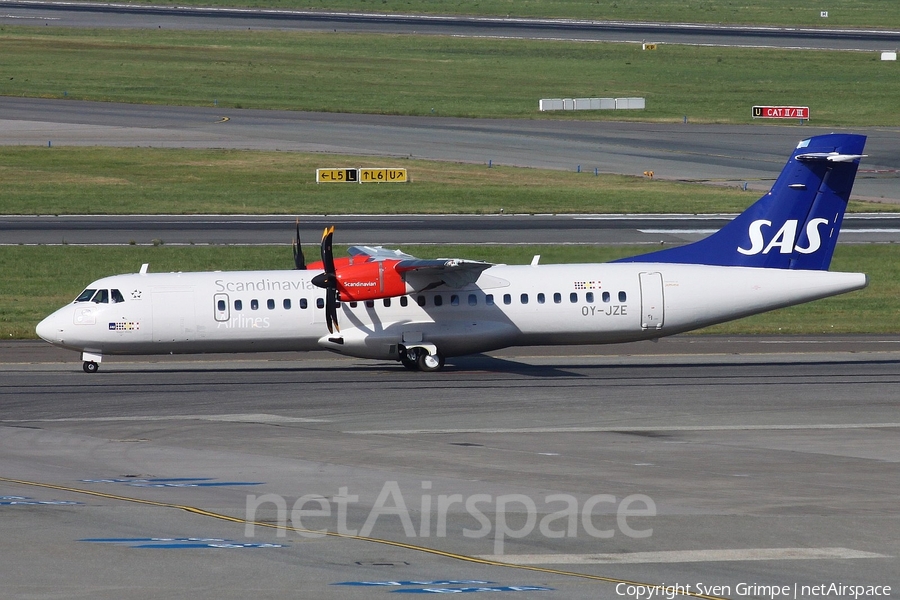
328 281
331 302
299 260
327 254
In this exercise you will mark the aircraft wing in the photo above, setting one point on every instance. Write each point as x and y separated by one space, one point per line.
426 273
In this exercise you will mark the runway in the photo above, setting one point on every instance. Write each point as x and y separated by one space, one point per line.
397 230
20 12
714 461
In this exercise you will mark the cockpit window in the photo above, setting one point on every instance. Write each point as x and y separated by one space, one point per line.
116 296
101 297
85 295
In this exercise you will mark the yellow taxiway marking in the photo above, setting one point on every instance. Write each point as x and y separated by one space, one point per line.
424 549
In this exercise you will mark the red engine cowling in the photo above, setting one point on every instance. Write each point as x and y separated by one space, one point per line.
339 263
370 281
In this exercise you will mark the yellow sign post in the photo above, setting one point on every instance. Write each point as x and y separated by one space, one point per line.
337 175
362 175
382 175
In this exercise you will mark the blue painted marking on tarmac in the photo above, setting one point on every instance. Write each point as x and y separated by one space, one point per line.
180 543
473 590
147 479
189 485
403 583
26 501
174 482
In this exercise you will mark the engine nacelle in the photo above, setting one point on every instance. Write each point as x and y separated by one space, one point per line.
339 263
370 281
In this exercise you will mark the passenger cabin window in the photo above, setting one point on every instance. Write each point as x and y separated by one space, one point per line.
254 304
489 299
117 296
573 297
622 297
238 305
523 298
438 300
303 304
589 297
540 298
507 299
85 295
286 304
473 300
270 304
101 297
221 305
370 304
420 300
404 300
320 302
606 296
387 302
557 298
454 300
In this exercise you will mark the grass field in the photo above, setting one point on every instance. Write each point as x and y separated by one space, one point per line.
75 180
441 76
38 280
841 13
165 181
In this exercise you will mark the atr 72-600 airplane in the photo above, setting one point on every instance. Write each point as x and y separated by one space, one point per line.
384 304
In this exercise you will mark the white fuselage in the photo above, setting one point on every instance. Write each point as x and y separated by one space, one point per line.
250 311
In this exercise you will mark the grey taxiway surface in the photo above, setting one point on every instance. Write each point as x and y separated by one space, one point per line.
96 14
733 155
713 461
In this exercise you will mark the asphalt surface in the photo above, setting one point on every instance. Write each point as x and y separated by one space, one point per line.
400 230
723 154
768 461
176 17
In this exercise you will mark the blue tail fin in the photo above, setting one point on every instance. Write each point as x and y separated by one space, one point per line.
796 224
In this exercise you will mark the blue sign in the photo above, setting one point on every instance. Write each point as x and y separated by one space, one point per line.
174 482
178 543
472 590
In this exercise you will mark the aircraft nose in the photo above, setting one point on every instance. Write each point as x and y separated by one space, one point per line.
47 329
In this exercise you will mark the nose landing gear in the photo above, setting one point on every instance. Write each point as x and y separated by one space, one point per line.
91 362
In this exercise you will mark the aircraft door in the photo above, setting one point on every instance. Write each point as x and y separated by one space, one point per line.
173 316
652 301
222 310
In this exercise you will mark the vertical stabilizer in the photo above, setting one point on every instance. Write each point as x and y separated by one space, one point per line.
796 224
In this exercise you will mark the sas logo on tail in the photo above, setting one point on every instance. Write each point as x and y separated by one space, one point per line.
785 239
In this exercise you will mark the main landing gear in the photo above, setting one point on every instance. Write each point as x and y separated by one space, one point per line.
420 359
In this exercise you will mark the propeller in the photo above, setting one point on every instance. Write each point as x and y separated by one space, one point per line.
299 261
328 281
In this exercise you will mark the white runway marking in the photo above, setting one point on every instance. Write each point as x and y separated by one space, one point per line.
235 418
684 556
614 429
